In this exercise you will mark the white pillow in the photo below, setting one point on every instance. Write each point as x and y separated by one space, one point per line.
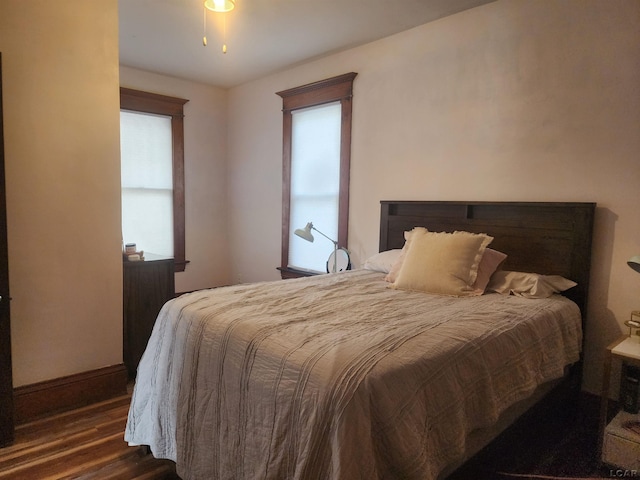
383 261
528 285
442 263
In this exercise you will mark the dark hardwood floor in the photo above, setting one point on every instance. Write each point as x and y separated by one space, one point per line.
87 443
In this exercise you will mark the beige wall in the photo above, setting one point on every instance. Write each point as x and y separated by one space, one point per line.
516 100
60 92
205 130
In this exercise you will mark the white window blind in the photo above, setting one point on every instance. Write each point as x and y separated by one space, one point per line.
147 181
315 183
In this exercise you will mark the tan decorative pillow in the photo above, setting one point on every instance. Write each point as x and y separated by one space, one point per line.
395 268
442 263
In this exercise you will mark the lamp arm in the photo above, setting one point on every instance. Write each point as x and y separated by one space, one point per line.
328 238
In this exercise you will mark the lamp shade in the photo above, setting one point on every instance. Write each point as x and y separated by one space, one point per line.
305 232
634 262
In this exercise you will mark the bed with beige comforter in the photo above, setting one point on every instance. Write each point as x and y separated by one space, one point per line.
338 376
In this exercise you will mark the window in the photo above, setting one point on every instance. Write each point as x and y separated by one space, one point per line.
316 157
152 156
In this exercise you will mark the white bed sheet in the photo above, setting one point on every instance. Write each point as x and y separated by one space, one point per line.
338 376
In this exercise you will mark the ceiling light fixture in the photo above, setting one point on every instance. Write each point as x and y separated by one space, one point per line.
218 6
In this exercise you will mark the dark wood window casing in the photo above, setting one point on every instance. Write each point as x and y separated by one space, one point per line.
139 101
333 89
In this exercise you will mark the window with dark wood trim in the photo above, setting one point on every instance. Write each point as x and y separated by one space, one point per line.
333 89
139 101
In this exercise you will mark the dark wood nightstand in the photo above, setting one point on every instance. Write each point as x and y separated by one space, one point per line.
147 286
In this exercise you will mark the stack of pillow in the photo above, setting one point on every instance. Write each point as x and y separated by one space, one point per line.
458 264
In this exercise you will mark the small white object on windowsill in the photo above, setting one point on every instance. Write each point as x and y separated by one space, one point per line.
135 256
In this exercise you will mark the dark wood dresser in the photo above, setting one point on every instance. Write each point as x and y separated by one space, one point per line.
147 286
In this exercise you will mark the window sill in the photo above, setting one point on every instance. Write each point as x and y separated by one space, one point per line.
287 272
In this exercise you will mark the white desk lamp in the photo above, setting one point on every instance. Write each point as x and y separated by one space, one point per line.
308 236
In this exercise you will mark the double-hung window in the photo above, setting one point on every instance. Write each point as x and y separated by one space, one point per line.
316 158
152 166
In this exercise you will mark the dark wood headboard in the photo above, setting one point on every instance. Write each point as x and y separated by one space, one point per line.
545 238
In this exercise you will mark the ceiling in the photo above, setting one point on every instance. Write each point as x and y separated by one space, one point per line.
263 36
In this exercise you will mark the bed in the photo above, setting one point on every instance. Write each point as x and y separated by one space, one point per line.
339 376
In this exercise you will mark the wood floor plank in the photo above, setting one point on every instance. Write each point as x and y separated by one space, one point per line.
74 419
61 460
140 467
37 449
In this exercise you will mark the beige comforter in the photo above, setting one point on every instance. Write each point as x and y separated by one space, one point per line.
338 376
